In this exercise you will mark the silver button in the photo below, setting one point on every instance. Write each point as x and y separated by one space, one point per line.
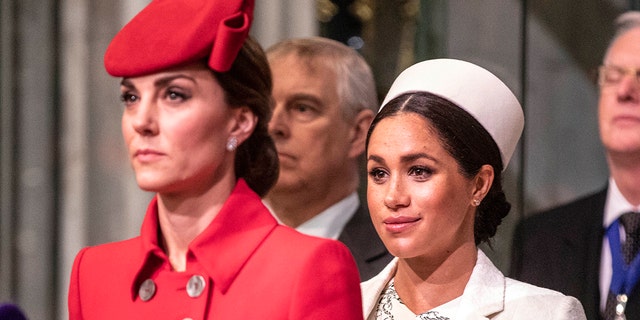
147 290
195 286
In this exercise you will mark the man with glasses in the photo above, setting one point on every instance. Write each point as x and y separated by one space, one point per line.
586 248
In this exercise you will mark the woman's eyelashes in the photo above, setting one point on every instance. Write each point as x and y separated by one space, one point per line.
128 98
177 94
421 173
172 95
378 175
418 173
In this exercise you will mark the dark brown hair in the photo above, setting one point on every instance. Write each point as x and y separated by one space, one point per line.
248 83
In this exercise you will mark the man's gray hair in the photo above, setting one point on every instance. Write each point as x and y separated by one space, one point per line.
627 21
354 77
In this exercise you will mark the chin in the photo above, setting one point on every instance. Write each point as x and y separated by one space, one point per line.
402 249
150 185
148 188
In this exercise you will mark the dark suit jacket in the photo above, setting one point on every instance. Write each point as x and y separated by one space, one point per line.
560 249
362 239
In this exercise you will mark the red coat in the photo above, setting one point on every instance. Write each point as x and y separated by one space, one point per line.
250 268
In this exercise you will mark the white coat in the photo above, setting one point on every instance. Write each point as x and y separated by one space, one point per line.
488 295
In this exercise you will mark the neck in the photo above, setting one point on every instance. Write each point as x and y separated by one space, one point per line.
424 283
625 170
293 210
183 217
295 207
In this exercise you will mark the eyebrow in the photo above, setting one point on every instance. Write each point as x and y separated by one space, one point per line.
305 96
158 83
406 158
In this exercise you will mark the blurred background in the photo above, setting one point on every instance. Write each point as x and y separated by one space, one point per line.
65 179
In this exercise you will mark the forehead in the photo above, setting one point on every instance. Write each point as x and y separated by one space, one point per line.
293 74
197 70
625 50
405 130
311 66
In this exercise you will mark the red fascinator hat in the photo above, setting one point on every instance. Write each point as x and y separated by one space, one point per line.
169 33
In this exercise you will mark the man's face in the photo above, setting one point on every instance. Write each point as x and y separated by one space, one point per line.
619 105
311 135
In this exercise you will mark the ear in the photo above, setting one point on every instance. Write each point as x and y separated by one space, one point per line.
482 183
359 130
243 124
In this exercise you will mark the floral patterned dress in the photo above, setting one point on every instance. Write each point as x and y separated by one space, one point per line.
391 307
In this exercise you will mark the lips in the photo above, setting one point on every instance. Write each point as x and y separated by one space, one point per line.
626 119
400 224
147 155
286 159
285 155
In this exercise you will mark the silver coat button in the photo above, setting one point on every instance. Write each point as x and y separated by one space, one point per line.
195 286
147 290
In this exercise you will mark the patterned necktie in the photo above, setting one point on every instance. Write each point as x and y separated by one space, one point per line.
631 223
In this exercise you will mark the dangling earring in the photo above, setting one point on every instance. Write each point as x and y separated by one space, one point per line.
232 144
476 202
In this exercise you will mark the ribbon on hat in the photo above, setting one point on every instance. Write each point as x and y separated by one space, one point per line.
231 34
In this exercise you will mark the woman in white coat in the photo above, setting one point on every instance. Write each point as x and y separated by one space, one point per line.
435 156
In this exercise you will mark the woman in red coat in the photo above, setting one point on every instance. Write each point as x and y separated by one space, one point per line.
197 93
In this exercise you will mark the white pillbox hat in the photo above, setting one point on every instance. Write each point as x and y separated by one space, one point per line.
473 89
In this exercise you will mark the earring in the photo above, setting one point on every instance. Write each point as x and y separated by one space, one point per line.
232 144
476 202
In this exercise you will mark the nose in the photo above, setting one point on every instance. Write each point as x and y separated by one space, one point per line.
396 195
278 125
144 118
628 89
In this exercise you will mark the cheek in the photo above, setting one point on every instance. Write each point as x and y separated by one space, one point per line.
195 131
127 130
375 200
606 104
439 204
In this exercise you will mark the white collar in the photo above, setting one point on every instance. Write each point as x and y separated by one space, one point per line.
616 204
330 222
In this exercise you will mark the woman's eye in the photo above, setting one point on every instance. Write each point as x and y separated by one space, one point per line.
176 95
128 98
377 175
420 172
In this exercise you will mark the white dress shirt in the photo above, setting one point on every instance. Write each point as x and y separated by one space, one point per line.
330 222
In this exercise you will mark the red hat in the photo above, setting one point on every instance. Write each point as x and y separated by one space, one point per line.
168 33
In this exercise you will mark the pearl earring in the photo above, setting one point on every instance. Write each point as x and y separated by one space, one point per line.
476 202
232 144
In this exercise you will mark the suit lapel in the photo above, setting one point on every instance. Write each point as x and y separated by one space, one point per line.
593 247
361 238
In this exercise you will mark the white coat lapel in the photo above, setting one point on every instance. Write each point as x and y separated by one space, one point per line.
372 289
484 294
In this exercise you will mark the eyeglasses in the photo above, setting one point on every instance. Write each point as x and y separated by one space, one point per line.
612 75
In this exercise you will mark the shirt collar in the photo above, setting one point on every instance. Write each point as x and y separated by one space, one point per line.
330 222
242 224
616 204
